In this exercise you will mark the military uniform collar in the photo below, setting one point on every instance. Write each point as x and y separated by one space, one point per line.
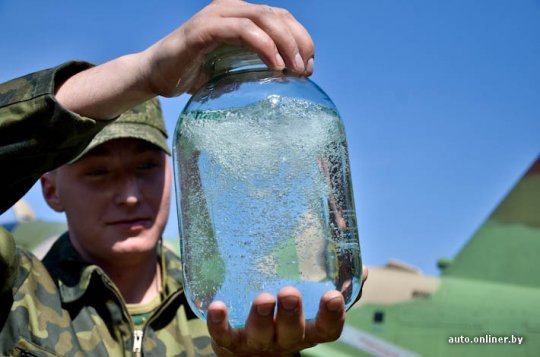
75 277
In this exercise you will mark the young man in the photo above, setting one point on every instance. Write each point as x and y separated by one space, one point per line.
109 287
47 119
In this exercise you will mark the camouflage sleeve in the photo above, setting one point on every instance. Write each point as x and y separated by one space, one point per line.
8 266
36 133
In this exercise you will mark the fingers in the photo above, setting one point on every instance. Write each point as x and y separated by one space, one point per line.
260 323
173 65
243 31
224 337
364 279
291 39
364 273
330 319
304 42
290 323
278 38
286 333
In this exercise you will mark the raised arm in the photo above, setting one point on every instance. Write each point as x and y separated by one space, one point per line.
173 65
45 116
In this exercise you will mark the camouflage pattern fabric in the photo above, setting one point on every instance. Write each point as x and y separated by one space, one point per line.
67 307
36 133
79 311
144 121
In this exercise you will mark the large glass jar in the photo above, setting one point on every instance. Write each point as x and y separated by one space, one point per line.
263 189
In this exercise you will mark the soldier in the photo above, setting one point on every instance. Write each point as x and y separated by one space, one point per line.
104 277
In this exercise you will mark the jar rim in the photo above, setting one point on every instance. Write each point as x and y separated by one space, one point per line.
229 58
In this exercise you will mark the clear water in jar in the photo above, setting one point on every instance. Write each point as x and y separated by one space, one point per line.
265 203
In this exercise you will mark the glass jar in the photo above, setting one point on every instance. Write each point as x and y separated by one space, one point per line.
263 189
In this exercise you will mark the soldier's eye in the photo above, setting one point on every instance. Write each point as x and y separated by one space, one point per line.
96 172
147 165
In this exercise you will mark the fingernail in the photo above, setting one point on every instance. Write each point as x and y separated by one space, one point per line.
216 316
299 63
310 65
335 304
279 61
265 310
289 303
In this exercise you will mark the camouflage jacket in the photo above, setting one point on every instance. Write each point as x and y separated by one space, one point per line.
63 306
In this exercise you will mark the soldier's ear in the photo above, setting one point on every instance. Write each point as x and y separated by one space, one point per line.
50 191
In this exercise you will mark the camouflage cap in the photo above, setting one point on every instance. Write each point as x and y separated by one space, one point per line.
144 121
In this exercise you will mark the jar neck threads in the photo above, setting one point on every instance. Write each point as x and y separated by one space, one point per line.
231 59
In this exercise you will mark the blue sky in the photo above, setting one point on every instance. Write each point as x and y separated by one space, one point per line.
440 99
